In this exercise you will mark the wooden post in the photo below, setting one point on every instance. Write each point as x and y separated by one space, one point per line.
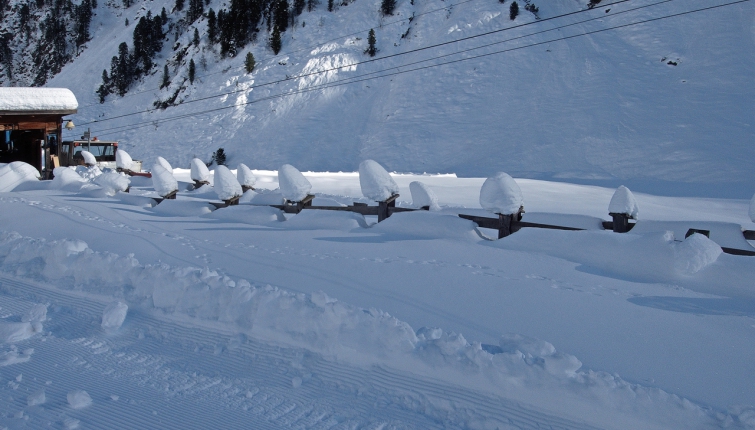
383 211
620 222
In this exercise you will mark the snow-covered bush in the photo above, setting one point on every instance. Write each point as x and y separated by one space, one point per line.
293 185
501 194
623 202
375 181
225 184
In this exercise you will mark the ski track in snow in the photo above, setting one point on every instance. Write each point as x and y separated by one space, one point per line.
155 364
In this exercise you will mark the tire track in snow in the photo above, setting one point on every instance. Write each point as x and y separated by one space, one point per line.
183 368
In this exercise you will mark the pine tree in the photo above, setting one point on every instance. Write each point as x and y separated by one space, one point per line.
281 15
219 157
166 77
275 40
196 8
249 63
311 4
164 16
330 5
212 27
299 6
179 5
196 37
83 18
104 88
387 7
513 10
192 70
371 49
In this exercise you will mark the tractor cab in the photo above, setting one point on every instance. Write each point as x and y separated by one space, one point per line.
103 151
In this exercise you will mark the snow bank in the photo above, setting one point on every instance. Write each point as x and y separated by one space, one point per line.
623 202
375 181
245 176
164 163
293 185
199 171
123 160
89 158
113 315
530 367
326 220
182 208
426 225
66 178
16 173
752 208
422 196
163 180
12 332
501 194
225 184
88 173
37 313
247 214
79 399
113 182
263 198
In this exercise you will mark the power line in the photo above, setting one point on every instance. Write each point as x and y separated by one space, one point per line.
306 47
411 51
361 79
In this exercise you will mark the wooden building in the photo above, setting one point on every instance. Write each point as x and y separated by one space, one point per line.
31 124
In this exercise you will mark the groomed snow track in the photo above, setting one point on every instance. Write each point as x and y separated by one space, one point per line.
158 363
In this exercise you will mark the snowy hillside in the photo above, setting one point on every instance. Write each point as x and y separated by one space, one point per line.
663 106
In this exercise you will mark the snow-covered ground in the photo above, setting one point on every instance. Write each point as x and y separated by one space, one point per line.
244 317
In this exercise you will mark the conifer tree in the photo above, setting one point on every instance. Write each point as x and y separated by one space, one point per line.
166 77
330 5
196 37
371 49
281 15
212 27
249 62
104 88
513 10
275 40
387 7
192 70
179 5
299 6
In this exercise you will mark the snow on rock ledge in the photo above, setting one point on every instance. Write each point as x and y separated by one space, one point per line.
245 176
163 180
199 171
501 194
422 195
375 181
16 173
123 160
293 185
225 184
623 202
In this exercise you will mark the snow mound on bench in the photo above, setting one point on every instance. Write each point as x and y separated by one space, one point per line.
182 208
375 181
422 195
123 160
623 202
16 173
163 180
245 176
293 185
501 194
225 184
427 225
199 171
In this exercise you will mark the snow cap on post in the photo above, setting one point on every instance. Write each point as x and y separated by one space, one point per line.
752 208
501 194
225 184
245 176
422 196
89 159
293 185
123 160
163 180
623 202
375 181
164 163
199 171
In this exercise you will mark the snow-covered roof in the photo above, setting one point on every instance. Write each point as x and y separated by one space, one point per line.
21 100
